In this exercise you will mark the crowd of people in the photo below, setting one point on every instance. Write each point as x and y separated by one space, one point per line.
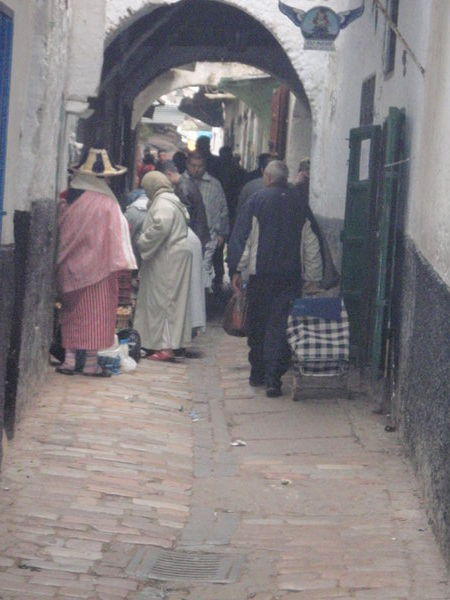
186 208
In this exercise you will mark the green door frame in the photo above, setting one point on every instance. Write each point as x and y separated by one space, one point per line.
358 236
393 134
369 238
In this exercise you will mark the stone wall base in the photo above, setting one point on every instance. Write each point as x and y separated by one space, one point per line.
7 297
32 315
421 396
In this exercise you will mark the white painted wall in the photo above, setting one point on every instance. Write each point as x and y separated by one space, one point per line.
425 99
360 55
57 61
429 217
84 69
86 49
35 114
236 115
251 138
299 134
23 29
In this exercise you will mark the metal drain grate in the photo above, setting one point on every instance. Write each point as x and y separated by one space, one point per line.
169 565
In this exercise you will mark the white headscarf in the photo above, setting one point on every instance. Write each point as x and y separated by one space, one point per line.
155 183
91 183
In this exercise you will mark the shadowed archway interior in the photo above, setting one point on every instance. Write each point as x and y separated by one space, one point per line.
168 37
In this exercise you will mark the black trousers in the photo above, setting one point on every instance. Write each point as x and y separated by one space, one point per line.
269 301
219 269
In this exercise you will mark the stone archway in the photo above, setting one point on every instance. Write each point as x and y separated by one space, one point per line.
171 36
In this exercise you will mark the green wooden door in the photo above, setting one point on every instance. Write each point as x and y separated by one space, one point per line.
358 235
386 238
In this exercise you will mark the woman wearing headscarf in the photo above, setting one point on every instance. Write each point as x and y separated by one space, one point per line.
94 246
162 308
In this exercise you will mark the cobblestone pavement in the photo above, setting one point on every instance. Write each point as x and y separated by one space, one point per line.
319 503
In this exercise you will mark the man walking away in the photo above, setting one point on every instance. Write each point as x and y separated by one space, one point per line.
256 182
274 241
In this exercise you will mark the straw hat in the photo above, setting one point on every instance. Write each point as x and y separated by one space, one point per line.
98 163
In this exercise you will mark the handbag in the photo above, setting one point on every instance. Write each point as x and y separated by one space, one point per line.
235 315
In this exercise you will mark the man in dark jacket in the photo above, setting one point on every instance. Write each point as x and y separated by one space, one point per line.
263 159
254 182
273 241
203 147
231 177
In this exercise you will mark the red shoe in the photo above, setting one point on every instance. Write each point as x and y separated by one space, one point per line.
162 356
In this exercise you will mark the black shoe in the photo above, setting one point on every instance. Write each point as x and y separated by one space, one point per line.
273 392
193 354
146 352
256 381
65 371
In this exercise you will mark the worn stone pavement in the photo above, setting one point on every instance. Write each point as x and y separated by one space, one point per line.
319 503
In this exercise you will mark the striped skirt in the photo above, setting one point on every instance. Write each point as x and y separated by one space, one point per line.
88 316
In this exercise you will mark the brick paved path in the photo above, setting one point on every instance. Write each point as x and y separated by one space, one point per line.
319 504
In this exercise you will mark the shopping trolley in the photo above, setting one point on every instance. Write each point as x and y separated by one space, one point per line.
318 334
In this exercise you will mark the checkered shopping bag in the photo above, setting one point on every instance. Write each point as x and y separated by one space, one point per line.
319 345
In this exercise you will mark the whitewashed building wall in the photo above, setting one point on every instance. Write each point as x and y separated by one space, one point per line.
37 88
57 59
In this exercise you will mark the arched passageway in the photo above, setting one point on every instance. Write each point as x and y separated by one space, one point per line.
168 37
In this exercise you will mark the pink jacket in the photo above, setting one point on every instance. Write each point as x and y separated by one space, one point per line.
94 241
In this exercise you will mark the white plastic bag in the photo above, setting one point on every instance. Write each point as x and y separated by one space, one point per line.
127 364
110 358
112 351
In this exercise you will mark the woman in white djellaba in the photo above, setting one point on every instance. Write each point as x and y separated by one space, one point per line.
163 315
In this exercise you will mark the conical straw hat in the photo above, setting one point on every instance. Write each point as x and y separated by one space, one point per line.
98 163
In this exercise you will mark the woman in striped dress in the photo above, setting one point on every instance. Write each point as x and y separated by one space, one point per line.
94 245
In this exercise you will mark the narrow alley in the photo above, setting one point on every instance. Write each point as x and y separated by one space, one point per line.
180 482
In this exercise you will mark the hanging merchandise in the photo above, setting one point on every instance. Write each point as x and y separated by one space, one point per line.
320 25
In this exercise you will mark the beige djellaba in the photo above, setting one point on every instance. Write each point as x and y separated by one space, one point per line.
163 315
